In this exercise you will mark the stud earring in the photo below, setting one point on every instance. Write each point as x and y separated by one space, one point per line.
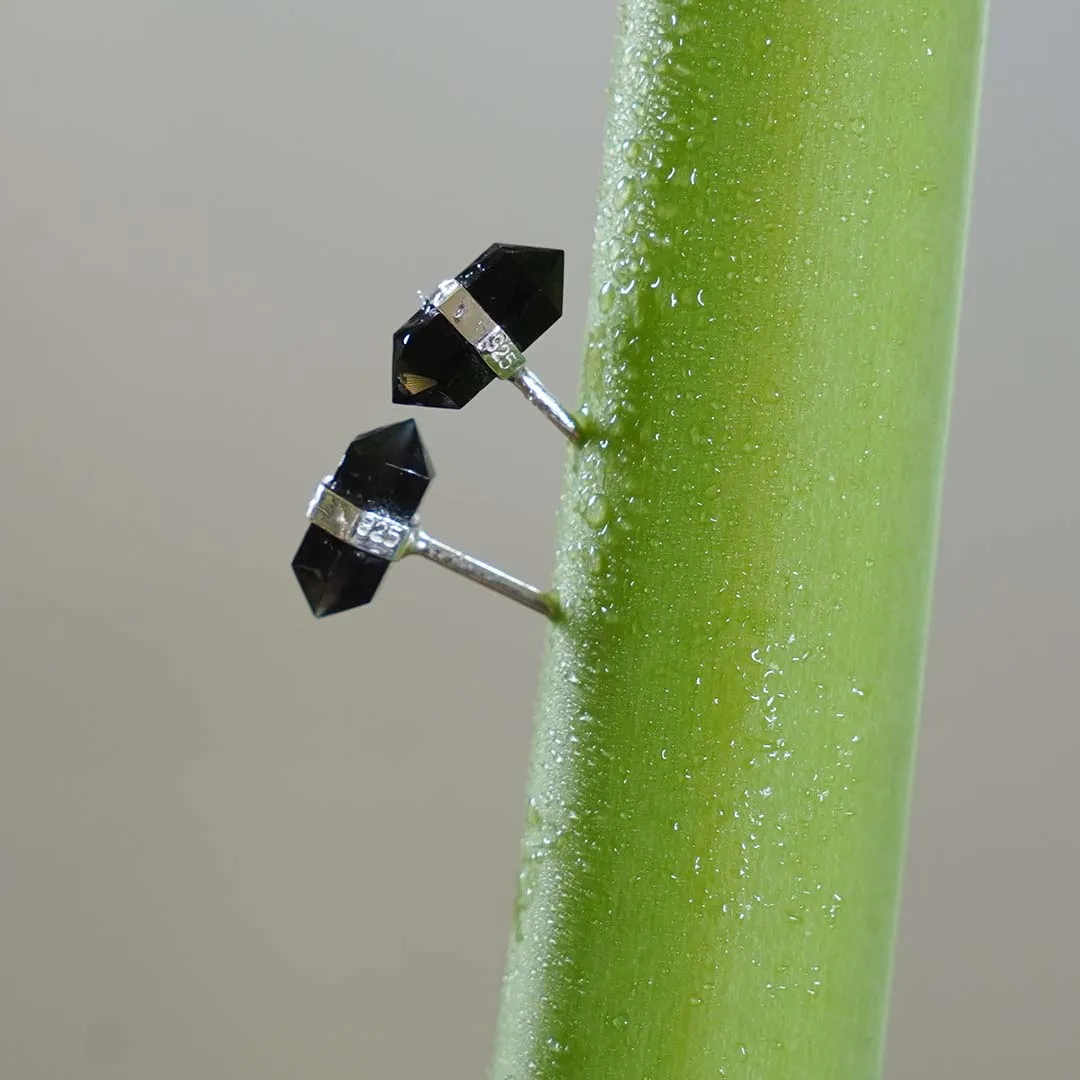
363 519
475 327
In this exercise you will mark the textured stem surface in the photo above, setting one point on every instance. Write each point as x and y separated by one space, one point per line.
727 713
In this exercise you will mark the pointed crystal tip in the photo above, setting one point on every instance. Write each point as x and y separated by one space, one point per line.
335 577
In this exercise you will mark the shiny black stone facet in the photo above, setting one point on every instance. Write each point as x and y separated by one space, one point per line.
434 365
333 575
387 470
520 287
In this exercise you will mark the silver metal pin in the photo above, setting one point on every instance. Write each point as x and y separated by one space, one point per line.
421 543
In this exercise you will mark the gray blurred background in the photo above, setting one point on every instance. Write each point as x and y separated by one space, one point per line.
235 843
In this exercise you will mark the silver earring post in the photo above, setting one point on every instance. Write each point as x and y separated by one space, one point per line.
421 543
537 393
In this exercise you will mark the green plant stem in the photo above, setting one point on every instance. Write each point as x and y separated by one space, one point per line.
727 713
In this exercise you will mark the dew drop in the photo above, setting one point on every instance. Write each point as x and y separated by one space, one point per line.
624 192
596 512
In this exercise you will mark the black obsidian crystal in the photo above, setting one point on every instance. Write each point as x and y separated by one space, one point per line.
333 575
387 470
434 365
520 287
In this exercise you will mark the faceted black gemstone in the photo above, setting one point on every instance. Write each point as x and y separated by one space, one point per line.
333 575
434 365
386 469
519 287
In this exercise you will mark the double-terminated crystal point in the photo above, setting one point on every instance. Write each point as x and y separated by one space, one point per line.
385 473
363 518
520 288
